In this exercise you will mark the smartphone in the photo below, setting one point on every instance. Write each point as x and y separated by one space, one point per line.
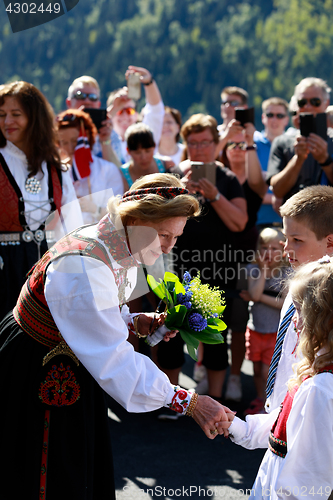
97 115
200 170
244 115
316 124
134 86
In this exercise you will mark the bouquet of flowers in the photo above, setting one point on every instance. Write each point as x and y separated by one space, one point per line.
192 308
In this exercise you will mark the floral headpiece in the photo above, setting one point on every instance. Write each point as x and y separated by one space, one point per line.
166 192
324 260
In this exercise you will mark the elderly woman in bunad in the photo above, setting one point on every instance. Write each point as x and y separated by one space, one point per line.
67 340
33 183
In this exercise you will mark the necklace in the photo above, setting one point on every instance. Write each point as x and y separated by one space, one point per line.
32 185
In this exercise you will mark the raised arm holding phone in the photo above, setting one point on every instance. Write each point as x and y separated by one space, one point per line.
297 161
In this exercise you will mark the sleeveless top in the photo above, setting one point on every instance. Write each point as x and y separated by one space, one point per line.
12 214
125 170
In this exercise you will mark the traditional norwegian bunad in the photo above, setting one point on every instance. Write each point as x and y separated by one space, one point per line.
299 435
25 204
63 348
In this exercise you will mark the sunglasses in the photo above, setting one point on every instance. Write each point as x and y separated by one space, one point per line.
81 96
234 104
129 111
314 101
278 115
233 145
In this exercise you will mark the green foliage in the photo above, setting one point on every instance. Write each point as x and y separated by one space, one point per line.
207 299
193 48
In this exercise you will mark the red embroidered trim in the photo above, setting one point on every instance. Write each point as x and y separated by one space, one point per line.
57 189
9 205
180 401
43 468
60 387
116 244
131 328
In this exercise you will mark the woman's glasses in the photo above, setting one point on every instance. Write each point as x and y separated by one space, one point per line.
240 145
202 144
129 111
279 116
81 96
314 101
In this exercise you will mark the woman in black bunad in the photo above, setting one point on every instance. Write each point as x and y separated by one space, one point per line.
33 184
65 346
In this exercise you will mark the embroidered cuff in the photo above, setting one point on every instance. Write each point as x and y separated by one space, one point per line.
178 399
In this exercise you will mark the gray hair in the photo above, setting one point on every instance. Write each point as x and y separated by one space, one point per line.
311 81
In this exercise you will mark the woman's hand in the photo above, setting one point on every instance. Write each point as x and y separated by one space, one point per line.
233 128
120 101
149 322
212 417
206 188
145 75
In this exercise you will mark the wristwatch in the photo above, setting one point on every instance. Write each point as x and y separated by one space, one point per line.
217 197
148 83
327 162
251 148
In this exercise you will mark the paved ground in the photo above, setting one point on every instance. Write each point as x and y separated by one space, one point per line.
174 459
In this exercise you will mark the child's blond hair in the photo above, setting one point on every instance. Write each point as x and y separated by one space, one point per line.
311 289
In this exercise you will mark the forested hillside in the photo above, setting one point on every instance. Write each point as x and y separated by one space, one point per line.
193 47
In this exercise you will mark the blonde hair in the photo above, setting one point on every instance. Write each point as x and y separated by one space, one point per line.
311 289
83 79
154 207
312 206
274 101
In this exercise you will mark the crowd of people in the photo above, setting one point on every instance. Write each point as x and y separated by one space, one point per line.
94 194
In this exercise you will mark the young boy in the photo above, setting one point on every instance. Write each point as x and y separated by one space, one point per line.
308 228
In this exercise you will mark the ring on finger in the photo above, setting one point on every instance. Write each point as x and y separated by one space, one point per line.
213 432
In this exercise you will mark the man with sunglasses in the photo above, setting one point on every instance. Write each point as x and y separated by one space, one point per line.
231 98
83 93
275 118
295 161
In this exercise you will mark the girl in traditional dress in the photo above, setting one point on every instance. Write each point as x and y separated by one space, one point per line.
299 435
33 183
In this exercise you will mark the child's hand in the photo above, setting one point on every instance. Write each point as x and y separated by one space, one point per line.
223 426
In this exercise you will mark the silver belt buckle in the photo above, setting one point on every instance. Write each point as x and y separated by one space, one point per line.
27 236
39 235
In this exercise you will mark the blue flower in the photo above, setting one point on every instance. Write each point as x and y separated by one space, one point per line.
187 277
184 299
197 322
